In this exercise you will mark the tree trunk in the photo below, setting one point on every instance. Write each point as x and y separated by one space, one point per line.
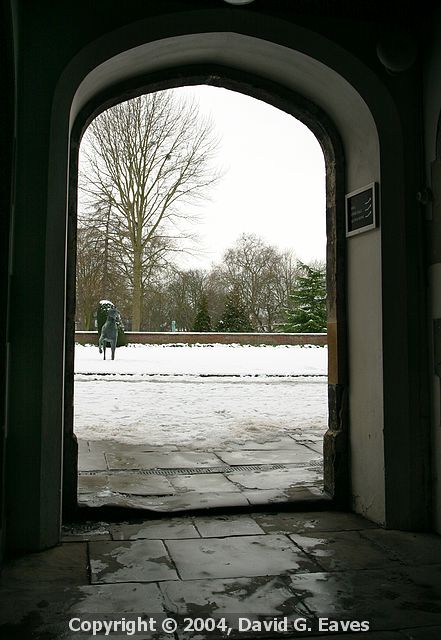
89 324
137 293
105 278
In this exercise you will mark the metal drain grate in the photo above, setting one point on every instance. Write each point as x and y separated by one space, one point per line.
199 470
256 467
176 471
316 464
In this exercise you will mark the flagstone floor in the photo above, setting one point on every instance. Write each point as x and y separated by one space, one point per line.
295 569
169 480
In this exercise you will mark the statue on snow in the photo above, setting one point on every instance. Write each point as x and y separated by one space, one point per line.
112 330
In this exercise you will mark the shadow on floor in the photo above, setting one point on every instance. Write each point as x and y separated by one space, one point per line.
327 571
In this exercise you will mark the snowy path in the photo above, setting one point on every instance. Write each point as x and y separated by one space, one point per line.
155 394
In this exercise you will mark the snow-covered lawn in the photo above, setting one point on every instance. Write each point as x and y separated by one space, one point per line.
201 396
204 359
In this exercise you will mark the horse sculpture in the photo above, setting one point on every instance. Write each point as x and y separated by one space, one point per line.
109 333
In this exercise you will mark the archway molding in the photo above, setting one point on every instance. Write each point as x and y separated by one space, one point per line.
336 466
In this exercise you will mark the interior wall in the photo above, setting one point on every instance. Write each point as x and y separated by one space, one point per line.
432 127
366 374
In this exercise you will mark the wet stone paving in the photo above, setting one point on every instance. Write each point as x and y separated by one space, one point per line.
165 479
268 566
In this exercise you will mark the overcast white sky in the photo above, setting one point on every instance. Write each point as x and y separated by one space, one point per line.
275 180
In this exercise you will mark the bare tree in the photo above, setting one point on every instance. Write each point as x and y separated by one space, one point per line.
88 278
147 162
285 273
263 275
185 290
97 276
179 294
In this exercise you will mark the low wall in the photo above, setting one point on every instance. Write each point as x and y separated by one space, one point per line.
171 337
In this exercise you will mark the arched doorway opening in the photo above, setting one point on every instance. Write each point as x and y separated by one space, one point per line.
298 62
336 458
335 443
293 105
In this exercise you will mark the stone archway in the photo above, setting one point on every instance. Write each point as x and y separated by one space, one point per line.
335 443
100 87
363 111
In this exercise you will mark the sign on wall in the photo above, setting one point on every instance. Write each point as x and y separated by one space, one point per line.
361 210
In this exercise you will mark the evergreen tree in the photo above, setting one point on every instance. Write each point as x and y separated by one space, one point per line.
234 318
306 312
202 321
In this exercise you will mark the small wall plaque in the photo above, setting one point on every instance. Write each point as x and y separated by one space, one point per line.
361 210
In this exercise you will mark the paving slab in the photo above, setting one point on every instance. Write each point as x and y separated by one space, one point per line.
280 456
113 499
92 482
343 550
236 557
310 434
275 478
390 599
166 504
89 461
109 499
134 561
309 437
314 446
402 601
263 596
83 447
189 501
411 548
253 445
265 496
117 599
116 602
140 485
218 526
85 531
312 521
105 446
65 564
203 483
112 446
171 529
174 460
290 494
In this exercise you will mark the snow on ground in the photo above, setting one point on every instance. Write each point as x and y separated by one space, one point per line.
206 359
161 395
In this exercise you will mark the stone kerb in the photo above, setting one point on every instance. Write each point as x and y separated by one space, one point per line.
190 337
